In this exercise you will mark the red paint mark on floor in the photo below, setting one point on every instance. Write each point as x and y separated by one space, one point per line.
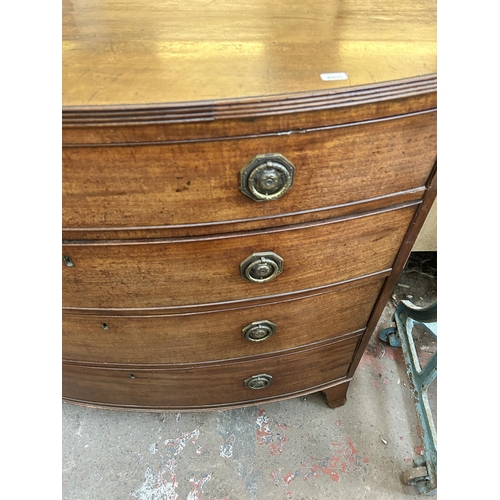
420 433
265 436
419 450
288 478
197 487
351 446
309 474
277 449
176 445
156 484
344 460
375 383
368 359
326 467
394 353
372 356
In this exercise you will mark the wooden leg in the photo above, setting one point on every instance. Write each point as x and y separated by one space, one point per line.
337 395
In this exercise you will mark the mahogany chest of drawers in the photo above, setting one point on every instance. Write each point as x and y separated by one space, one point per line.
222 249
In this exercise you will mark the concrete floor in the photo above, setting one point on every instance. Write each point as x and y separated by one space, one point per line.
299 449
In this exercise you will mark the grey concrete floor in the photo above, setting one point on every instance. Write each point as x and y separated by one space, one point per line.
298 449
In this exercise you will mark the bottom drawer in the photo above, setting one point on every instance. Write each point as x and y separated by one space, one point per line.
210 385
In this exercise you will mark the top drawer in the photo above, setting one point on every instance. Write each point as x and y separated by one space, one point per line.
192 183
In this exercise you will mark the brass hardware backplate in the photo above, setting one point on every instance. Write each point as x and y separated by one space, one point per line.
261 267
259 330
267 177
258 381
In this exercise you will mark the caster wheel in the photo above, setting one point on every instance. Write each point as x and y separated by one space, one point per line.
390 336
414 476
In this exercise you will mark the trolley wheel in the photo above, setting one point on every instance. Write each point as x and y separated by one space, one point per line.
415 475
390 336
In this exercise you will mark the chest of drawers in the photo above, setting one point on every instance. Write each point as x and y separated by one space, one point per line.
222 249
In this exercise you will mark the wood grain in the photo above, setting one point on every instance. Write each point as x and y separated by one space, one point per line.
181 337
207 270
153 51
163 104
80 235
337 395
399 263
333 108
211 385
197 183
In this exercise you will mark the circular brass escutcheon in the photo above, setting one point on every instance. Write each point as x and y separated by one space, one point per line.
267 177
259 330
261 267
258 381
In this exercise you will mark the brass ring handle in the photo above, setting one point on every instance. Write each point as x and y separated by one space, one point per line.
259 330
258 381
267 177
261 267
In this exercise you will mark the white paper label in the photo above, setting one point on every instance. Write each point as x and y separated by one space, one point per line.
327 77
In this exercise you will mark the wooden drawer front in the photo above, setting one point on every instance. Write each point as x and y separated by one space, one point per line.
198 182
209 385
192 338
200 271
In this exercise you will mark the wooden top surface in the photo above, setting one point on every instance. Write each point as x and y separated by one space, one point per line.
141 52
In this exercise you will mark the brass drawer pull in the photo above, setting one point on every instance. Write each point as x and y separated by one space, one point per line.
267 177
259 330
261 267
258 381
